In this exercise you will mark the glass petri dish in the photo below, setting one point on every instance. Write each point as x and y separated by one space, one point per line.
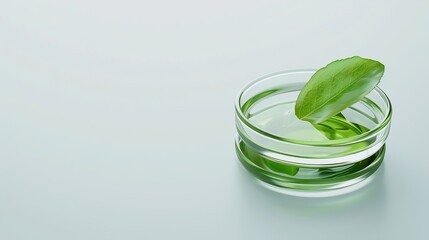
300 158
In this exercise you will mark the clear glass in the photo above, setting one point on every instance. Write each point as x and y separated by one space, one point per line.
296 157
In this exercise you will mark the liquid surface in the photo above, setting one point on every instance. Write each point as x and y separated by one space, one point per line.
280 120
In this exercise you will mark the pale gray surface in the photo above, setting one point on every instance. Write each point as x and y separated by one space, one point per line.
117 118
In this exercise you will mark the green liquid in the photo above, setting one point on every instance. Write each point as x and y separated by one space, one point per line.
281 121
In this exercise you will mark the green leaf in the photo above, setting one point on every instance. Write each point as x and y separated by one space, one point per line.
337 86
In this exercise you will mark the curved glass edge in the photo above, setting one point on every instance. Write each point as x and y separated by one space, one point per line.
310 185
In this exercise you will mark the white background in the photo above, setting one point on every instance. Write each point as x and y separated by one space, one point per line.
117 117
